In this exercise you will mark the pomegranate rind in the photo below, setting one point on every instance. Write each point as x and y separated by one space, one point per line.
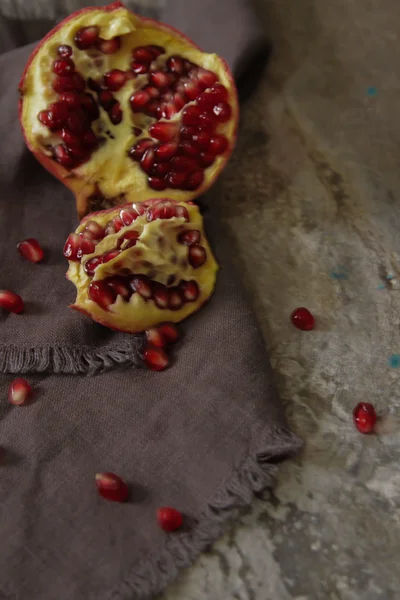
146 257
115 181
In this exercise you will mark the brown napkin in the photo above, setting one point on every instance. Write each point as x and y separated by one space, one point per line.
202 436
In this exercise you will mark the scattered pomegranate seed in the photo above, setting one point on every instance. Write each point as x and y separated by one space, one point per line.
86 37
169 332
197 256
19 391
302 319
364 417
111 487
114 80
11 302
169 519
31 250
155 338
155 359
109 46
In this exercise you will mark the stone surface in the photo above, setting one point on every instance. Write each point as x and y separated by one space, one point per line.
310 200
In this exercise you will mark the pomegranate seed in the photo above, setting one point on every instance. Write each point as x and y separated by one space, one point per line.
160 211
152 91
139 100
76 121
63 66
197 256
188 149
364 417
63 156
155 338
70 140
119 286
156 50
175 65
90 106
189 237
156 183
56 114
169 332
179 101
207 123
78 153
86 37
218 144
175 299
218 93
115 114
189 290
128 240
71 98
181 212
206 159
11 302
110 255
31 250
194 180
117 223
192 89
44 118
206 78
155 358
191 115
95 229
114 80
169 519
101 293
106 99
109 46
89 139
111 487
188 132
137 131
87 247
64 83
128 215
162 131
182 163
64 51
168 110
153 109
176 179
143 54
166 151
91 265
76 246
302 319
160 295
160 169
159 79
222 112
19 391
141 285
137 151
201 140
147 160
139 67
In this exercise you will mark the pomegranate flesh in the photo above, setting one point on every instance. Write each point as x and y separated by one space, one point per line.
97 92
133 268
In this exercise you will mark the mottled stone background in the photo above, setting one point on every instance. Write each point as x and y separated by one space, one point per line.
311 202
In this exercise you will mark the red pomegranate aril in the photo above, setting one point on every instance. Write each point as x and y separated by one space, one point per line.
197 255
139 67
188 149
109 46
76 121
179 101
137 151
218 93
302 319
44 118
137 131
117 223
176 179
192 89
63 157
189 237
63 66
169 519
128 215
155 337
86 37
95 229
157 183
71 98
160 295
86 246
364 417
152 91
119 286
183 163
222 112
111 487
205 159
141 284
166 151
156 50
110 255
206 78
191 116
175 65
194 180
101 293
159 79
160 211
207 123
187 132
189 290
106 99
91 265
128 240
181 212
19 391
115 114
143 54
218 144
139 100
114 80
161 169
163 131
201 140
72 246
168 110
31 250
59 112
169 332
64 83
147 160
90 106
175 299
155 359
89 139
71 140
64 51
11 302
153 109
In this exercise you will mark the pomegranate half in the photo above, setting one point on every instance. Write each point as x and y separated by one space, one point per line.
121 108
142 264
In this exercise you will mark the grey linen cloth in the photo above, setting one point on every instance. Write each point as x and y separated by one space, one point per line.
203 436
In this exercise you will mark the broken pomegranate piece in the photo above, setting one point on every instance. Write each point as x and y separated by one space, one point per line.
142 265
118 118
